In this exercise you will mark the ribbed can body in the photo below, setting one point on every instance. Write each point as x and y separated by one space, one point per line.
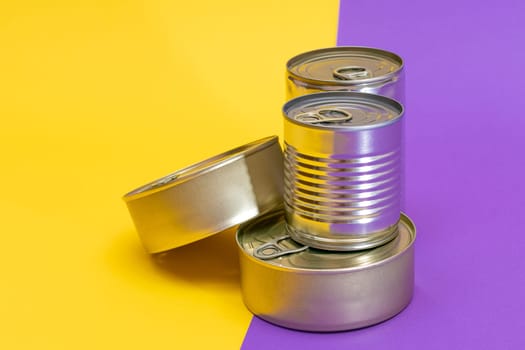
343 185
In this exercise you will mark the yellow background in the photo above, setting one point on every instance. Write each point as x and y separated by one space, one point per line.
99 97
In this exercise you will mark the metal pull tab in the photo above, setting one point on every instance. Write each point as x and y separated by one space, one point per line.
351 73
324 116
272 249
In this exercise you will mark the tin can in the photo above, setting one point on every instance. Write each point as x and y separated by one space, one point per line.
359 69
315 290
208 197
343 167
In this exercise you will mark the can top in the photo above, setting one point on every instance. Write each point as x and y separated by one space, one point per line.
198 169
341 109
208 197
345 65
272 228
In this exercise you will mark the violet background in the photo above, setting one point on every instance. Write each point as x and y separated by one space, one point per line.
465 142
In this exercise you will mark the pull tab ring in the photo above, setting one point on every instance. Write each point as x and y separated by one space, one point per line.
351 73
325 115
272 249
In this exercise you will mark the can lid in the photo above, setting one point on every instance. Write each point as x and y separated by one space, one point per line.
208 197
271 229
345 65
342 109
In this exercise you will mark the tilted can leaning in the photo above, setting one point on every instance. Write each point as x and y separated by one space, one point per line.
346 68
343 166
316 290
208 197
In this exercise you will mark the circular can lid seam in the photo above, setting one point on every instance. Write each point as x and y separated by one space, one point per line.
404 218
318 82
143 191
287 108
297 80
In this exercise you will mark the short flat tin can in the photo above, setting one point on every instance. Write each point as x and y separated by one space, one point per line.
323 291
208 197
346 68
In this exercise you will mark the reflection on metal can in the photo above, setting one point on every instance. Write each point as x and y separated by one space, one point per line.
208 197
359 69
318 290
343 163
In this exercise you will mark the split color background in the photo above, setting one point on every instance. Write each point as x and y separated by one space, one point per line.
465 147
98 97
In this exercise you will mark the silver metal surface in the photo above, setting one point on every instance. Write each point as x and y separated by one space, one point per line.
273 249
346 68
343 175
318 290
208 197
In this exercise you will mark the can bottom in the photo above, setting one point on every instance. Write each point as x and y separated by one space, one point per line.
345 243
331 302
337 328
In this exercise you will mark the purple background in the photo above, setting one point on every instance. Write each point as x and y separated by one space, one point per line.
465 67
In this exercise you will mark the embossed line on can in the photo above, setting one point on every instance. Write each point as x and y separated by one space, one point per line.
349 198
352 190
342 182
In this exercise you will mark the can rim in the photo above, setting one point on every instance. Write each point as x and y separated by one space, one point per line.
292 62
403 218
200 168
356 96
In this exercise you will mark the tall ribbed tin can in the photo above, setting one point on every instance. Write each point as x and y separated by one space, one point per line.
346 68
343 165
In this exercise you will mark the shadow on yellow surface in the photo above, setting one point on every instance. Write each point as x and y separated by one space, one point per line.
210 264
213 260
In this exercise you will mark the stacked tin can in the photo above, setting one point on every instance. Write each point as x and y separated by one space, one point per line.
336 253
343 191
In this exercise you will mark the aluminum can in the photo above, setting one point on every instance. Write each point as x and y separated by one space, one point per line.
359 69
343 168
208 197
316 290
